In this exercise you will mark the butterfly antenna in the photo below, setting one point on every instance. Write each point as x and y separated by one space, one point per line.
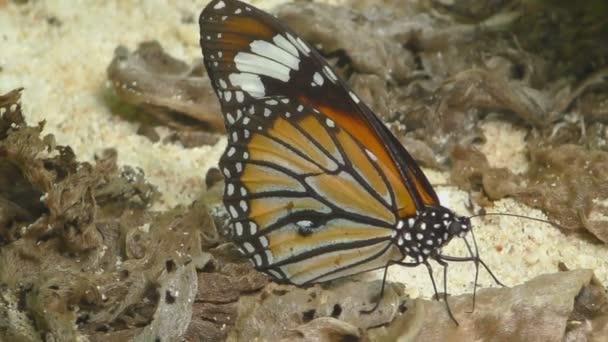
557 225
445 285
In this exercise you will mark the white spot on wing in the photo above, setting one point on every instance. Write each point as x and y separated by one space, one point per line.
219 5
354 97
299 44
318 79
304 224
264 241
269 257
258 260
303 45
285 45
239 96
248 247
271 51
238 228
248 62
250 83
330 74
230 118
275 274
371 155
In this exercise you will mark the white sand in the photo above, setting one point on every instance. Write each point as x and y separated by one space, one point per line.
63 71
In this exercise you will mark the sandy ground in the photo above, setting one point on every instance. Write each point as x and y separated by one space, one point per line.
62 67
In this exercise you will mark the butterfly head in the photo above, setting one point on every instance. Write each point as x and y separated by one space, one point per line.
459 226
424 234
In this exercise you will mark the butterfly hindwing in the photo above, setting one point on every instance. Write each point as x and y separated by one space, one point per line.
299 205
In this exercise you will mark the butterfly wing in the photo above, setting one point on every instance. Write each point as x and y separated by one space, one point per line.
315 183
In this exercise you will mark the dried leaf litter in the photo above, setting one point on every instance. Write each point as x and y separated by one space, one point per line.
84 256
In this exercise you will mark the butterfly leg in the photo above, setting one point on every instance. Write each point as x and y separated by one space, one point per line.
367 312
445 286
463 259
475 256
407 264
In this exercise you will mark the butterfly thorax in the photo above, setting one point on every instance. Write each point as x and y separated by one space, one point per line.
424 234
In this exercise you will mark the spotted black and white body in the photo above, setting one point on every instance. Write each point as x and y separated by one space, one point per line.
316 186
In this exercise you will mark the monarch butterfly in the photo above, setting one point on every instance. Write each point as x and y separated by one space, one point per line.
316 186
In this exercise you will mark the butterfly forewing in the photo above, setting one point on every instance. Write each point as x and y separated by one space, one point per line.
315 183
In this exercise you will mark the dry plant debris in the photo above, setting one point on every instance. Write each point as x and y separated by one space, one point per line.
81 255
568 182
169 91
550 307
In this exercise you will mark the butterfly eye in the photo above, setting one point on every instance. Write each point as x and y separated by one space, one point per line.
465 223
454 228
